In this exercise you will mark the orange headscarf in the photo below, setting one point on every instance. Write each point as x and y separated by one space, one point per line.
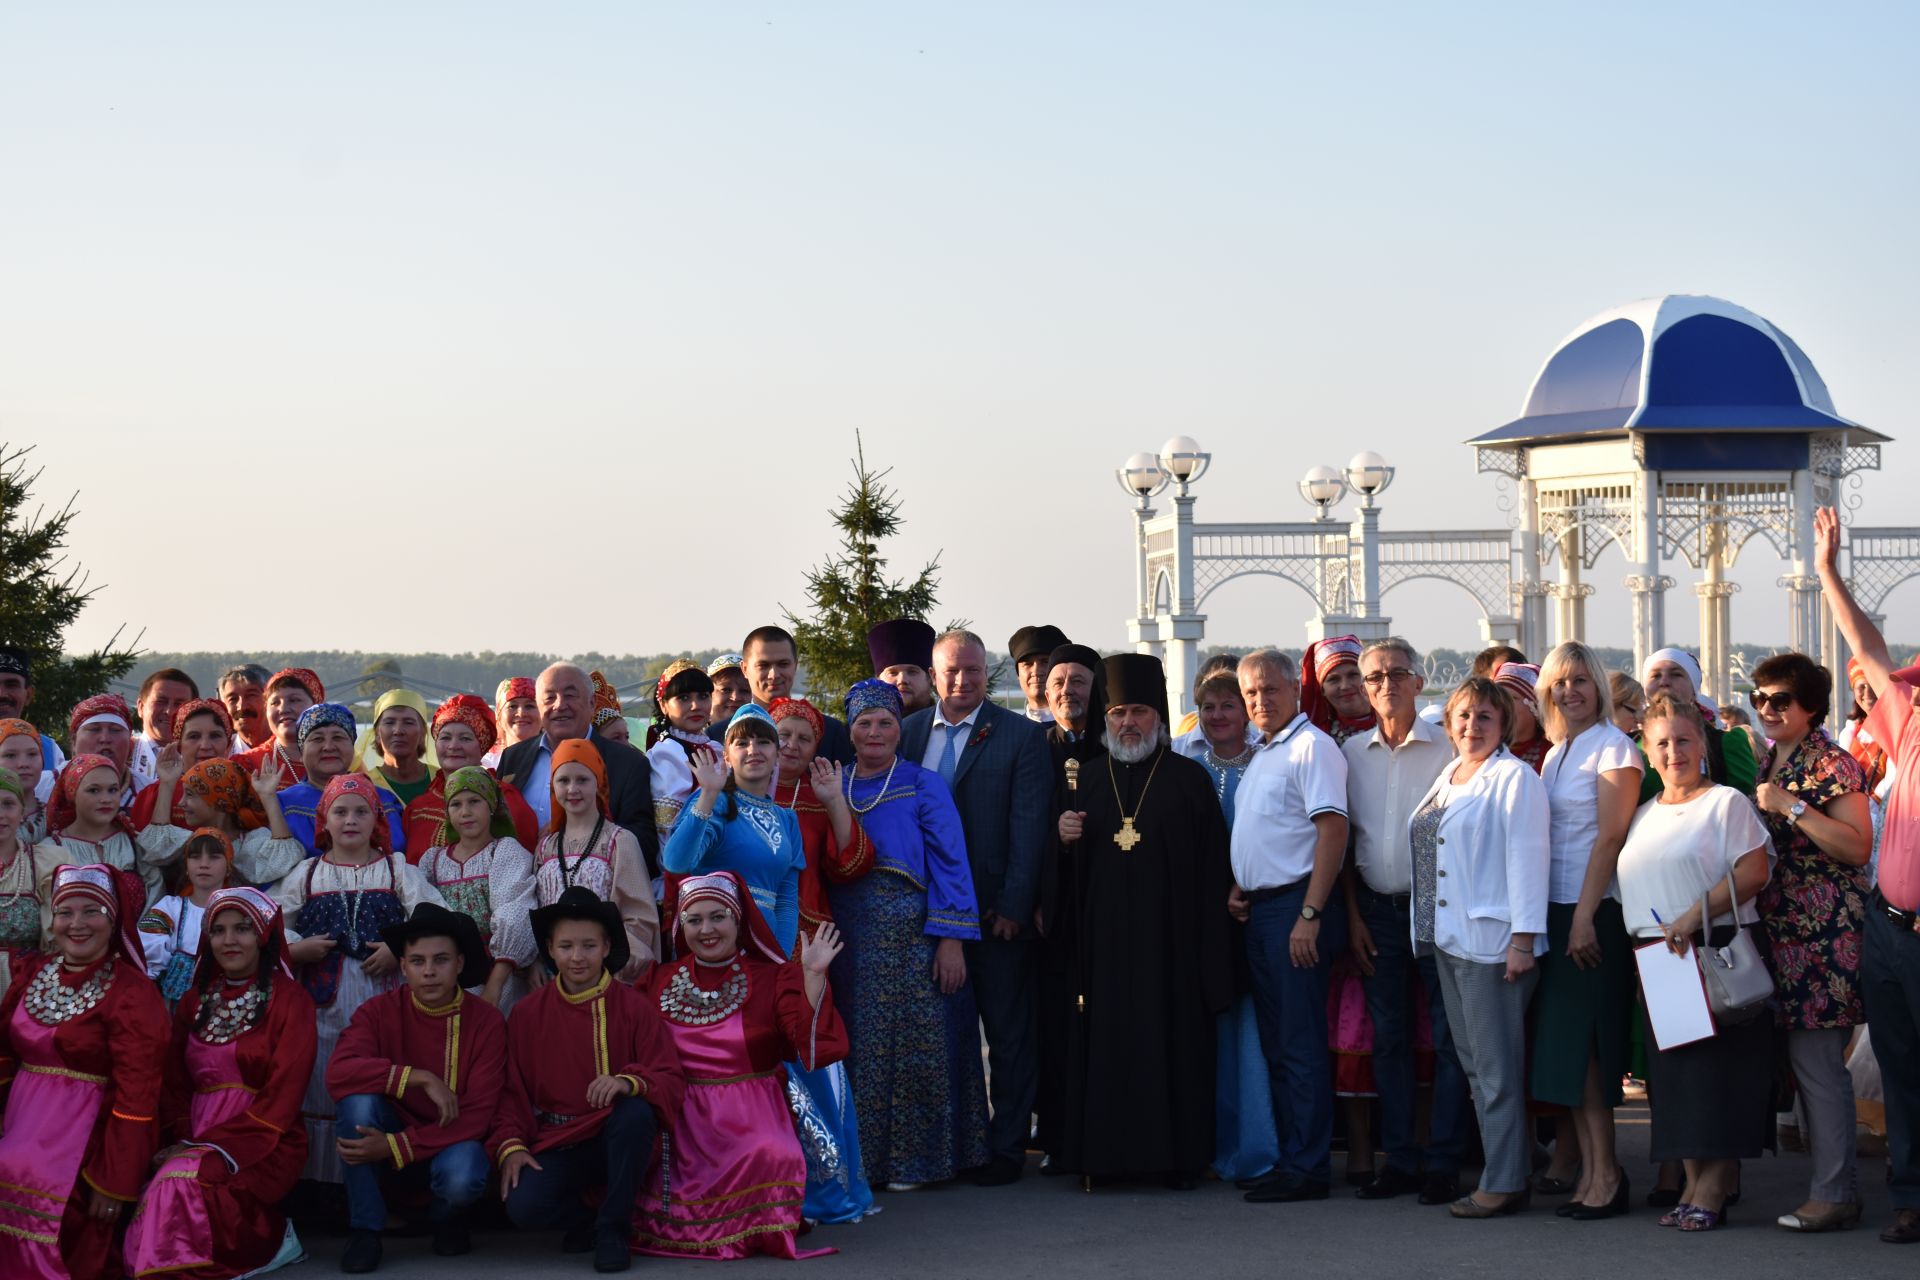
579 751
225 785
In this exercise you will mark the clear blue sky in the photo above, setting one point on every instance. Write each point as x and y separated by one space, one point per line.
464 326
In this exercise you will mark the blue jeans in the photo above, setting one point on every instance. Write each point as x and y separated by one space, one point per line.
1290 1005
1390 1004
553 1195
457 1175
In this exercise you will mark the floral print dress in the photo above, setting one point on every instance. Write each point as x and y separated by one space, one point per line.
1815 906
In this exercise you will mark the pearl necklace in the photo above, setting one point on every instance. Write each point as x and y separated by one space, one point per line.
686 1003
846 787
230 1016
51 1002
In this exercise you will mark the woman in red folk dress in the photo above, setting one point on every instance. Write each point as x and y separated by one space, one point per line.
730 1175
243 1044
83 1034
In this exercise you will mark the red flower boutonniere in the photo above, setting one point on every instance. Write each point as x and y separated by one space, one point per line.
980 735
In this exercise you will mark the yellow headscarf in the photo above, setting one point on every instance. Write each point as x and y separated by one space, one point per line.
366 752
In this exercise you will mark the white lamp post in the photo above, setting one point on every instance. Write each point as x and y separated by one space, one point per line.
1142 479
1368 475
1182 458
1322 486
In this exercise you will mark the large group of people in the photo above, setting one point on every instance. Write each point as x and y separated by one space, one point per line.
685 993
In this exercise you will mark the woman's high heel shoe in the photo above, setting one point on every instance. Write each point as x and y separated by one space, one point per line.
1611 1209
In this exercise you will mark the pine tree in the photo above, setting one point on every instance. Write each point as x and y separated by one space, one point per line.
41 596
851 593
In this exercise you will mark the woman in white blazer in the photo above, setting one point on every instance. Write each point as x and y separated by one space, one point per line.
1481 851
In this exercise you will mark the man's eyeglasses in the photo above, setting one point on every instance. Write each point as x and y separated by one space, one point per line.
1395 674
1775 702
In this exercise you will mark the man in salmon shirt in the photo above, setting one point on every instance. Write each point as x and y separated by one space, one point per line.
1890 955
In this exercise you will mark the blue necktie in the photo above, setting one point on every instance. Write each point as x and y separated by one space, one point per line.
945 767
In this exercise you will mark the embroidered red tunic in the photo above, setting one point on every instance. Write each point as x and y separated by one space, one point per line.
393 1035
558 1043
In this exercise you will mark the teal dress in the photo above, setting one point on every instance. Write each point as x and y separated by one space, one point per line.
1245 1142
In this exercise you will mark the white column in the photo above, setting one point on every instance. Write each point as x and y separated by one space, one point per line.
1570 594
1532 596
1364 551
1186 627
1716 613
1803 586
1648 586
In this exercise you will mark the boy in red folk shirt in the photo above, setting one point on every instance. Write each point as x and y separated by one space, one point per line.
591 1072
416 1080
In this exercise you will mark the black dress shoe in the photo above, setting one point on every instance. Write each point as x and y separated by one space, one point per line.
1390 1182
1904 1229
451 1238
999 1171
1287 1191
1439 1188
1266 1179
610 1251
363 1253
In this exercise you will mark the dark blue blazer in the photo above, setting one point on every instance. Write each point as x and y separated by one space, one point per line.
1003 787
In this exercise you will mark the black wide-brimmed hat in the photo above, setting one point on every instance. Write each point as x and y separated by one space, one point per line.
431 920
583 904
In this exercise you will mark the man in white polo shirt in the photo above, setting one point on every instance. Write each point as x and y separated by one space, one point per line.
1389 768
1289 841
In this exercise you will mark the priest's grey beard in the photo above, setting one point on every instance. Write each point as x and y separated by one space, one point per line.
1139 751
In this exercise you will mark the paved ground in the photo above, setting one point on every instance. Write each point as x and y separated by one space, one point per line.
1047 1227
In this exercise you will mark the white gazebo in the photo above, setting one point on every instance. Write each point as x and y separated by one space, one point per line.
1674 428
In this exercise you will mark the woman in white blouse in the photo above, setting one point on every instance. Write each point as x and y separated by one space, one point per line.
1712 1099
1583 1010
1480 860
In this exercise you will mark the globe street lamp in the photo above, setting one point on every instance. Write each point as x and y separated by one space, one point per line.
1141 478
1182 458
1368 475
1322 486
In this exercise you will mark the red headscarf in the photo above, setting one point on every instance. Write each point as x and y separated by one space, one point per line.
1320 660
351 784
100 704
268 923
727 888
579 751
304 678
787 708
202 707
468 709
225 785
120 892
61 805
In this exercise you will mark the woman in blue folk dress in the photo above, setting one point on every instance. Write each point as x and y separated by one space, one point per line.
901 984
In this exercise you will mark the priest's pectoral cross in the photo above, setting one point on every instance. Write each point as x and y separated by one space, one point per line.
1126 837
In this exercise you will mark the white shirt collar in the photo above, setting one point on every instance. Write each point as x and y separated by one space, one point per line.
940 715
1422 731
1293 727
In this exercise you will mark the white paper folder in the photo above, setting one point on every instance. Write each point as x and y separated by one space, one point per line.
1676 996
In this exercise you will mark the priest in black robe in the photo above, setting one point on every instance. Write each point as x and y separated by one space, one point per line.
1144 875
1076 695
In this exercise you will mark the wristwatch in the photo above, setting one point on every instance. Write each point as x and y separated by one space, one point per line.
1309 913
1793 814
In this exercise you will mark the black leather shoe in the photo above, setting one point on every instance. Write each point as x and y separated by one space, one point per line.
451 1238
610 1252
1904 1229
1390 1182
362 1255
999 1172
1266 1179
1613 1208
1439 1188
1287 1191
579 1239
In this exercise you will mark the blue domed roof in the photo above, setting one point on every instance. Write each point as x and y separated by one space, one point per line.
1682 363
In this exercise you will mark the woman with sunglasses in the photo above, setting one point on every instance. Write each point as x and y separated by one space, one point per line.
1813 797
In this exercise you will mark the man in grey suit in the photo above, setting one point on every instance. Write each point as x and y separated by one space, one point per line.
997 764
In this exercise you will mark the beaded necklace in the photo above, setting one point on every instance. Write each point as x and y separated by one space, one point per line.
229 1016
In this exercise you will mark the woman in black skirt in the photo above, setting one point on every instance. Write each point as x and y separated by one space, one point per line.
1712 1099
